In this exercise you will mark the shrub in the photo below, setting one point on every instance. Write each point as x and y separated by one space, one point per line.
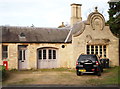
2 73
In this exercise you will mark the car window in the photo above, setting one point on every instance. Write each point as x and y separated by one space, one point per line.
89 57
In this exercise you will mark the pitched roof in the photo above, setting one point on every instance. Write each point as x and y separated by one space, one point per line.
34 34
76 30
78 27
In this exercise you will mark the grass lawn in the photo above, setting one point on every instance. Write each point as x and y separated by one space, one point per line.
112 78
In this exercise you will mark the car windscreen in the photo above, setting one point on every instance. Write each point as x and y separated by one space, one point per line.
87 57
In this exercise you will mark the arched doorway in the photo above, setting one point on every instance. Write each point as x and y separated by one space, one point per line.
47 58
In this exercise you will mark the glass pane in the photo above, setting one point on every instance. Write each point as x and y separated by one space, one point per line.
104 48
50 54
4 55
104 55
92 49
54 54
84 57
20 55
4 48
88 49
4 52
23 54
96 49
101 48
88 52
40 54
44 54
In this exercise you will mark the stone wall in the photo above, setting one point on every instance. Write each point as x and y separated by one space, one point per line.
79 43
65 55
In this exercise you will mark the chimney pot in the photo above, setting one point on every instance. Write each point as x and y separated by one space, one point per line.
75 13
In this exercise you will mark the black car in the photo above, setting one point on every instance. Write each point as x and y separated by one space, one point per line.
88 64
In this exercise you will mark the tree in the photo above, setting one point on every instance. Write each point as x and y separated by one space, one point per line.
114 17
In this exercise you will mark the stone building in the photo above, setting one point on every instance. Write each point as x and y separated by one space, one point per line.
33 47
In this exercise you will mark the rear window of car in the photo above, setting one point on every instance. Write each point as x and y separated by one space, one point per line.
90 57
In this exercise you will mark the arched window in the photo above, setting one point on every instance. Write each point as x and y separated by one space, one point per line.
47 53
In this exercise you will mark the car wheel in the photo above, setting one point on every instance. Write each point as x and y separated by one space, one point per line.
78 73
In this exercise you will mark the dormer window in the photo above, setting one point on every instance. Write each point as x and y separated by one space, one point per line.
22 35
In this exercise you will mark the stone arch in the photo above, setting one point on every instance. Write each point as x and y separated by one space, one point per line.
96 20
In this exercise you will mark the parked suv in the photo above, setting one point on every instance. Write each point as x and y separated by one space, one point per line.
88 64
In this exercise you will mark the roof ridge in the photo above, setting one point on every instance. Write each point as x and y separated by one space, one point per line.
35 27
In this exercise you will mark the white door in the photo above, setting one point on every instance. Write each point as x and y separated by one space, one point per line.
22 57
47 58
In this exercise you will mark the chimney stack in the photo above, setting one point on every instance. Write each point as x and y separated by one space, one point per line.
75 13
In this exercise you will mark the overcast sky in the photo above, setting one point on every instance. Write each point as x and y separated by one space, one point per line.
45 13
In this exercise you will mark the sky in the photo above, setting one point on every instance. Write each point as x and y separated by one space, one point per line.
46 13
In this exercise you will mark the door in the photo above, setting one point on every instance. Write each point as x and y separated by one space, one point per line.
22 57
47 58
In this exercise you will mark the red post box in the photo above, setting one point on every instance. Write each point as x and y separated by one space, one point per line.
5 63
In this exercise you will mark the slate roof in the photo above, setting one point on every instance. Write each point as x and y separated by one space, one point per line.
34 34
40 35
78 27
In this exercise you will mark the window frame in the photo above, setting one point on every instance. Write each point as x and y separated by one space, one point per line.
54 55
100 50
4 52
51 54
44 54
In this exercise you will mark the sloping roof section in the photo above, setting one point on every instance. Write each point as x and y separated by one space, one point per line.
78 28
34 34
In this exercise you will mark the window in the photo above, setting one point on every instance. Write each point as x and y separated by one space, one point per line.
54 54
88 49
20 55
101 51
40 54
47 53
44 54
97 49
22 35
22 52
4 51
50 54
104 50
92 49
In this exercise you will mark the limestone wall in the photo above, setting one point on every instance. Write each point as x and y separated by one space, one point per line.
80 42
65 55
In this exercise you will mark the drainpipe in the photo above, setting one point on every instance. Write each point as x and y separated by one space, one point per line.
68 35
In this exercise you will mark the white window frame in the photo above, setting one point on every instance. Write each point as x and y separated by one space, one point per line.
47 53
101 50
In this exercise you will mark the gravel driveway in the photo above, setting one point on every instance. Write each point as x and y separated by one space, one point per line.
48 77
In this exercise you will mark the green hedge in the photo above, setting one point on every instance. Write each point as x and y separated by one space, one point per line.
2 73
